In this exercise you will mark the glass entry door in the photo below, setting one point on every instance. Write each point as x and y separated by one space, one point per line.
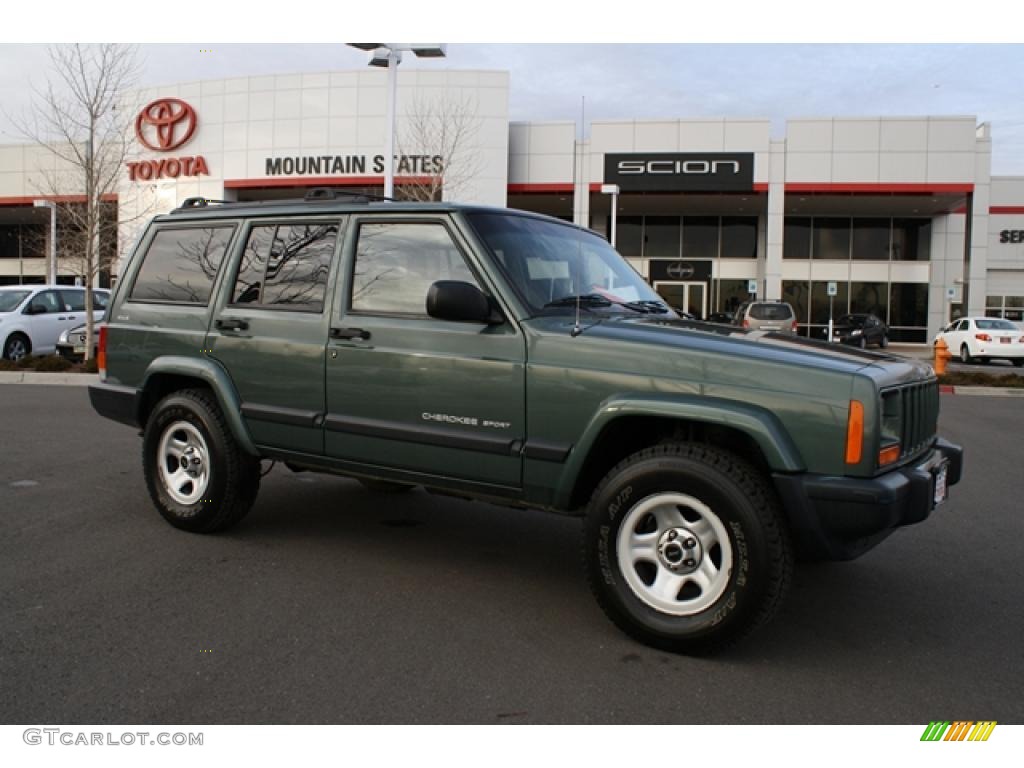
684 297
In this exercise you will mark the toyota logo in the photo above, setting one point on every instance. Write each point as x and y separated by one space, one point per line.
165 124
680 270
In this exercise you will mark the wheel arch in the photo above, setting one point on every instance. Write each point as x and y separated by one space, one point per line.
623 427
166 375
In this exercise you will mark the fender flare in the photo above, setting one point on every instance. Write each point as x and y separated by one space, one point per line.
217 379
760 424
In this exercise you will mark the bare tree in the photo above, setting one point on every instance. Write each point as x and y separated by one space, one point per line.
444 131
78 117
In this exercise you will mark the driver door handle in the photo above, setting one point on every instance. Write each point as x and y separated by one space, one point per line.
349 333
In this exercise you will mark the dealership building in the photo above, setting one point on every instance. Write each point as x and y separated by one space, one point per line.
899 216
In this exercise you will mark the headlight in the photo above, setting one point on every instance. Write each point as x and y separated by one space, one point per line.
855 333
64 337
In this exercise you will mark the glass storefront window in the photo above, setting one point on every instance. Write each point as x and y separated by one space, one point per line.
796 242
911 239
870 297
871 239
820 303
730 294
908 312
797 294
661 237
739 237
831 239
700 237
628 236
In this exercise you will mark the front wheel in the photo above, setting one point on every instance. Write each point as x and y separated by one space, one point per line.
16 347
198 477
685 548
884 342
1018 361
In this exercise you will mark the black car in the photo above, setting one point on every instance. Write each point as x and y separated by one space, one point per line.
859 330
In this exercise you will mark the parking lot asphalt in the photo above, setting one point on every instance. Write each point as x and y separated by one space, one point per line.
332 604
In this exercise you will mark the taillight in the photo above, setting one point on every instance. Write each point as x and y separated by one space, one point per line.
795 326
746 323
982 337
101 353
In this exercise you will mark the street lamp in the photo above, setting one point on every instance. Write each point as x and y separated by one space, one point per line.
390 55
53 237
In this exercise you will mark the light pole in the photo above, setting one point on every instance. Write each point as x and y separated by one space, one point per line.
613 190
390 55
53 237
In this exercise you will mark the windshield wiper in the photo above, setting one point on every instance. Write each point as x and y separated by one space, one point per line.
597 300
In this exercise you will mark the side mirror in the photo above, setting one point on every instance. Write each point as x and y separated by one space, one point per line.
461 303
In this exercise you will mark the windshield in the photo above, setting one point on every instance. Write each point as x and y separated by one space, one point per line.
9 300
855 320
552 263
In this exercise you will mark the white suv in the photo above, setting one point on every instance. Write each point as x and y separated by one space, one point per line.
32 317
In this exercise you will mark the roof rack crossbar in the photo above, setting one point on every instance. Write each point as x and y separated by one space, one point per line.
200 202
330 193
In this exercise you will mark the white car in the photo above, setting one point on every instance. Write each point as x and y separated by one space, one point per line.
983 339
32 317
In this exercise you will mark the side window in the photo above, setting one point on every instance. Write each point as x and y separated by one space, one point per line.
46 302
181 264
75 300
99 300
397 263
286 266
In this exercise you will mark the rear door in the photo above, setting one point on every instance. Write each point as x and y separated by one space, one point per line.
410 393
270 327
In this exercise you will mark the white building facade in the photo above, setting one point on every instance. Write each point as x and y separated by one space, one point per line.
898 216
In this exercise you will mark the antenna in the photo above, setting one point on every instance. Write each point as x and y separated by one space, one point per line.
576 329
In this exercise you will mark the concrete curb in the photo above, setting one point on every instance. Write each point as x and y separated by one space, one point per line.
53 379
984 391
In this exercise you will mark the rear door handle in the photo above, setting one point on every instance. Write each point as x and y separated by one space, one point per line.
232 325
349 333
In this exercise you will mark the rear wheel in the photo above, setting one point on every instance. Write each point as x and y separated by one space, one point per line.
685 548
198 477
17 346
965 354
1018 361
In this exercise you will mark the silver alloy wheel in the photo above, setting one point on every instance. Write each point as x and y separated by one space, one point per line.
184 462
674 553
16 349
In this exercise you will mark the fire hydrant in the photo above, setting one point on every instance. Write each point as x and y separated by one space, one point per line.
942 356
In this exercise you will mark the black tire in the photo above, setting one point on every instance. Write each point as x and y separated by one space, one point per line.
1018 361
729 491
385 486
863 343
965 355
884 342
228 480
17 346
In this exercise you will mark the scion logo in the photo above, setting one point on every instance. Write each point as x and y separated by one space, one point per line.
680 270
681 171
165 124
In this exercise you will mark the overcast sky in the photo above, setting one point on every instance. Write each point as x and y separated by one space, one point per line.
550 82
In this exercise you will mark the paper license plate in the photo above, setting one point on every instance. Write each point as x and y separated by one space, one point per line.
941 491
1004 340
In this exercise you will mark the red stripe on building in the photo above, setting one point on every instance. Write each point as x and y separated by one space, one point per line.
878 189
323 181
1006 209
112 198
534 189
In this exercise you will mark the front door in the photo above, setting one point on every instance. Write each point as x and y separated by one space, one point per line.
684 296
410 393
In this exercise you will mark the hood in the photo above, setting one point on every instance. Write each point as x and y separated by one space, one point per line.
735 342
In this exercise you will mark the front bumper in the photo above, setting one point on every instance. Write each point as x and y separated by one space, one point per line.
840 518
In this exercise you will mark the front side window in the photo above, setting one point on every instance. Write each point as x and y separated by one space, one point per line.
549 262
397 263
286 266
181 264
75 300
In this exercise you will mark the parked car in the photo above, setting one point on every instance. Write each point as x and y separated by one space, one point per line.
720 317
984 338
71 344
510 357
859 330
32 317
766 316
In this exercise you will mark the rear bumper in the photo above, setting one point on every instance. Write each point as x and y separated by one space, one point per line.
840 518
117 403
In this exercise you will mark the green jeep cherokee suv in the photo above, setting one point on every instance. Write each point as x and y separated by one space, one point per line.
505 356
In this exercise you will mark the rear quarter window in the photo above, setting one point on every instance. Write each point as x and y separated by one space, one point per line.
181 264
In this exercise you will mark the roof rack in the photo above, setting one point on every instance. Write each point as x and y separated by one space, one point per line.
200 202
330 193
